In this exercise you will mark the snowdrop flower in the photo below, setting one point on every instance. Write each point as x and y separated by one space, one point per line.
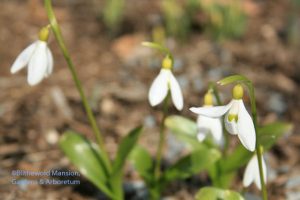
252 172
38 57
210 125
237 120
163 83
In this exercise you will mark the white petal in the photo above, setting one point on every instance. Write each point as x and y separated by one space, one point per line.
201 136
257 175
215 111
210 125
216 130
203 127
50 63
37 66
231 126
249 174
159 88
175 92
246 131
23 58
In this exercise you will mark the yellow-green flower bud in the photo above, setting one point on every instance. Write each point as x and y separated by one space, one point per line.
232 117
44 34
238 91
167 63
208 99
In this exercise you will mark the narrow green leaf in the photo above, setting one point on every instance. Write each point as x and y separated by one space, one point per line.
232 79
87 158
195 162
239 157
142 162
127 144
158 47
269 134
211 193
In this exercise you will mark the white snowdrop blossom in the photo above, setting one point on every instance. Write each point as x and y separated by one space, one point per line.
237 119
208 125
38 57
252 172
164 82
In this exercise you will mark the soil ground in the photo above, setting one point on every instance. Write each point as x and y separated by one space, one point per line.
116 74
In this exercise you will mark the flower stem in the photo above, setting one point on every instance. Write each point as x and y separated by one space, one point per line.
57 33
162 137
258 146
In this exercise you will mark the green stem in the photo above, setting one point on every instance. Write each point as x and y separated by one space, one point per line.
213 88
162 137
57 33
258 146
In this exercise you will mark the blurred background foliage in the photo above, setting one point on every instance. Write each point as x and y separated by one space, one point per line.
220 19
294 24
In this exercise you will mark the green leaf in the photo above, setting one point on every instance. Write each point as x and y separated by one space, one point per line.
269 134
184 129
181 125
158 47
239 157
212 193
233 79
193 163
87 158
219 179
127 144
142 162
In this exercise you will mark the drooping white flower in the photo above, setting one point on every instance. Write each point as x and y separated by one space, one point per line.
251 173
38 57
208 125
237 120
161 85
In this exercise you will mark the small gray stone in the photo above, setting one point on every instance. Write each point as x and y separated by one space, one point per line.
175 147
183 82
198 84
250 196
293 182
293 196
276 103
149 121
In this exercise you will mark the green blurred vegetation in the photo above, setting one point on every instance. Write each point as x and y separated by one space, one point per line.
113 14
177 22
220 19
293 29
226 19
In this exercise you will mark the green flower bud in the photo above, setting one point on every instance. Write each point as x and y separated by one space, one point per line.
208 99
167 63
44 34
238 92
